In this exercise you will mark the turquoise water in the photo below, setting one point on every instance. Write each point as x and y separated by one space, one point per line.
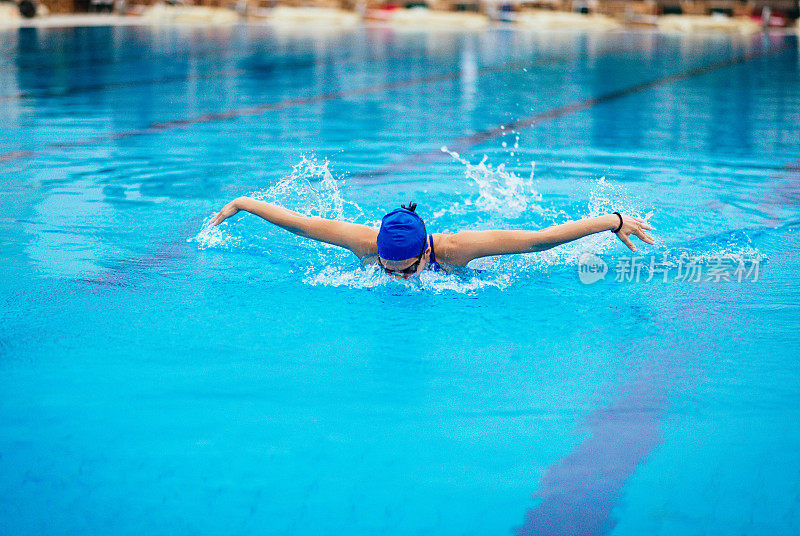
159 376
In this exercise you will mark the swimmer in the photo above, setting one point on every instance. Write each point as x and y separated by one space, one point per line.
403 247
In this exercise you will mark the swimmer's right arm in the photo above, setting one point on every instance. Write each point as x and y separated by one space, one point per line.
360 239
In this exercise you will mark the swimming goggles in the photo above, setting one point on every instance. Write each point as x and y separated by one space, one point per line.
405 271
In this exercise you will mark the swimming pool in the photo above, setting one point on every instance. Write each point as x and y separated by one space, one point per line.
162 377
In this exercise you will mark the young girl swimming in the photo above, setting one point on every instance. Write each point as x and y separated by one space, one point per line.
403 247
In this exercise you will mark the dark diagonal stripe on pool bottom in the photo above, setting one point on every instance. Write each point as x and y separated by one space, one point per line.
466 142
580 490
158 127
155 128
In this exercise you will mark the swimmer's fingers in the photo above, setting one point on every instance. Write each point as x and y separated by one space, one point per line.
644 237
227 211
219 218
625 240
634 226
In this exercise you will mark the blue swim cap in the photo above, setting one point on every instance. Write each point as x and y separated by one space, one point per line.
402 235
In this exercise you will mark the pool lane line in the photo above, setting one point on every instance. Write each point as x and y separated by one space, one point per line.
257 70
70 91
155 128
16 155
464 143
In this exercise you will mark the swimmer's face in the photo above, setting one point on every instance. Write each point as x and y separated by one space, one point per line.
407 268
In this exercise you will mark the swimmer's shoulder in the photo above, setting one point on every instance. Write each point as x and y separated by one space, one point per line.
447 251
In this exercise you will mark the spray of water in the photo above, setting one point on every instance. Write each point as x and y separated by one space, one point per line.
309 189
312 190
371 276
502 194
503 200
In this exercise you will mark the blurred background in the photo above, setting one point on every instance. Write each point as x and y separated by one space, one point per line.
733 15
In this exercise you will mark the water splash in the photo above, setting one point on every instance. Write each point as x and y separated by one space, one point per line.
606 197
309 189
503 200
214 237
372 277
737 244
502 195
312 190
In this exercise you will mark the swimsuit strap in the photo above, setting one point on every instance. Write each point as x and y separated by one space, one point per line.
435 266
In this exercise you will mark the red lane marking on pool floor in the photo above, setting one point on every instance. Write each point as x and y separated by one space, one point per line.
580 490
155 128
466 142
15 155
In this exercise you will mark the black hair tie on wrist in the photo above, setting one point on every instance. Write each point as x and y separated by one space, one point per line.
620 222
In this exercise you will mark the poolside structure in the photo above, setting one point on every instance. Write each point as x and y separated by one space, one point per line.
702 15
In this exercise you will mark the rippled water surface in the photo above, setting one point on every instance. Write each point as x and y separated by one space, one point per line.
161 376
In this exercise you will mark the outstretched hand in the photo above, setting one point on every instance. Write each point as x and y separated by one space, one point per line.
637 227
227 211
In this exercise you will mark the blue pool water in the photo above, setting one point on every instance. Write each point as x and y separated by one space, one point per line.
161 377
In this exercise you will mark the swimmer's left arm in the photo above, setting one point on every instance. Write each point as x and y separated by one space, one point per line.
467 245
